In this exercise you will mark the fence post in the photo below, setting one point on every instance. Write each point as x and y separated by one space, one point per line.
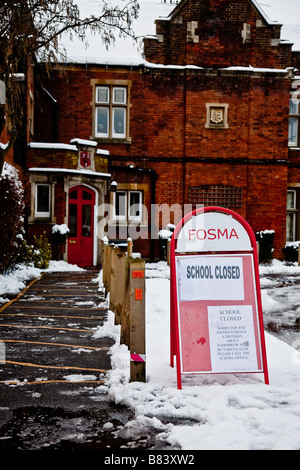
137 321
129 247
119 288
124 279
114 277
103 261
125 314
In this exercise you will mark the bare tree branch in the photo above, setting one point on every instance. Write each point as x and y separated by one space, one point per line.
35 27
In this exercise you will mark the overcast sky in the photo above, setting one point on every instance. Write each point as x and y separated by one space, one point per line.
283 11
286 12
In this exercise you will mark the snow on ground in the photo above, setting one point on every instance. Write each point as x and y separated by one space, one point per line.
211 411
15 281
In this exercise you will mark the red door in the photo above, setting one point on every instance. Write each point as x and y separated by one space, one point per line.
81 225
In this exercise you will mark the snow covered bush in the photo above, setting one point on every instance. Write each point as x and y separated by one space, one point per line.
11 216
42 252
266 240
291 251
37 255
59 236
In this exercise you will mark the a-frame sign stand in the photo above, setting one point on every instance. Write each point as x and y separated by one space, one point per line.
216 309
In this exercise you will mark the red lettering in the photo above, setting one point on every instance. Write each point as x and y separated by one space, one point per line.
233 234
212 234
222 234
191 233
204 234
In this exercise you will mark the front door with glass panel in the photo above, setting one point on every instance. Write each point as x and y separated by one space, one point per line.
81 225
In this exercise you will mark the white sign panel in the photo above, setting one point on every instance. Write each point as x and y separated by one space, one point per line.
210 278
232 339
213 231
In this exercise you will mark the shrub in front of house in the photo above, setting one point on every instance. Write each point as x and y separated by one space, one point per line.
11 216
265 238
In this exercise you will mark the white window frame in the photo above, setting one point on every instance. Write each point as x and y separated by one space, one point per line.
124 215
293 139
118 88
108 94
118 135
102 134
43 214
138 218
293 142
127 216
292 211
111 105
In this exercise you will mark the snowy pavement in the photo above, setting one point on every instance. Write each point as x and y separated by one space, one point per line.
218 411
211 411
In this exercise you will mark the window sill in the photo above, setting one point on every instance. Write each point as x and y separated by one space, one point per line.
37 220
102 140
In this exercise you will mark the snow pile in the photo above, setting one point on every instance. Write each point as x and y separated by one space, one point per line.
211 411
15 281
62 229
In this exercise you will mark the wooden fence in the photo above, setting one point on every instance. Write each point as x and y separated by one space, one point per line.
124 279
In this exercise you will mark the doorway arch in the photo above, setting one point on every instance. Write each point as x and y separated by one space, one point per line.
81 226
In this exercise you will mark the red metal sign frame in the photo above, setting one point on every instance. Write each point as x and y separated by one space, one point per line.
174 313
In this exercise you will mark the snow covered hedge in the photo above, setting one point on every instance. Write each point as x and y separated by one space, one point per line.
266 240
11 216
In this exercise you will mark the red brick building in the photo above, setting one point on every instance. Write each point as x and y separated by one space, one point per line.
204 119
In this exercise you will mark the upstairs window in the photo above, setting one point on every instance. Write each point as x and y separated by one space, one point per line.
111 112
294 123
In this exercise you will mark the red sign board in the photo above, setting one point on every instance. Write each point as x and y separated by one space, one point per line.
137 274
216 311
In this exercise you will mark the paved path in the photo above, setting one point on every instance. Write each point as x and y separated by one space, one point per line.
51 384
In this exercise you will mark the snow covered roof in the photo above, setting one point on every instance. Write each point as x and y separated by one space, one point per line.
60 146
67 170
286 13
56 146
88 143
127 52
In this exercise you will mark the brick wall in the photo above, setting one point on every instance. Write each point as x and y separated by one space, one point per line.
219 29
169 132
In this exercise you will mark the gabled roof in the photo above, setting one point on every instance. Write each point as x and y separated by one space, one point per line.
255 3
263 14
127 53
